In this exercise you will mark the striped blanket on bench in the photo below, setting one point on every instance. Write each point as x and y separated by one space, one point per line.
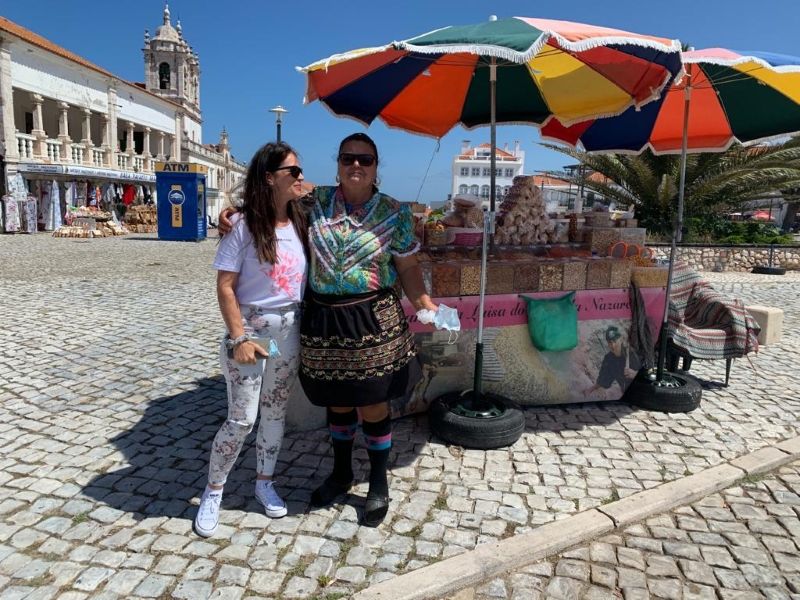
704 323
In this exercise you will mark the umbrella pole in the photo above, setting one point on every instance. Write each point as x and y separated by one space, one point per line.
488 229
676 233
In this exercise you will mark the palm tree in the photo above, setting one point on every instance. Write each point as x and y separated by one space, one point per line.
716 183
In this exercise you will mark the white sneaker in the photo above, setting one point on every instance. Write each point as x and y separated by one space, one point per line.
207 519
274 506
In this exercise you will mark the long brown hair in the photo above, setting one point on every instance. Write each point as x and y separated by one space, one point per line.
258 207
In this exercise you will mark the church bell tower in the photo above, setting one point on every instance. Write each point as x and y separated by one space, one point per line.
172 68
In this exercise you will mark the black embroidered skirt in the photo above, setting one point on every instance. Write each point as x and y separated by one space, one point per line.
356 350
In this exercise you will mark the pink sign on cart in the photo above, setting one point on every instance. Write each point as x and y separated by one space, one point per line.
509 309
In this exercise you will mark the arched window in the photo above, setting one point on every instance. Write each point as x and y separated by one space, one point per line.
473 190
463 189
163 76
484 191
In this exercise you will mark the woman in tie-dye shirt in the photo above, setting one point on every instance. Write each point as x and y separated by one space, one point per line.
354 248
356 349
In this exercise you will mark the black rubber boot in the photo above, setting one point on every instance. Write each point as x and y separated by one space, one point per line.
378 437
342 427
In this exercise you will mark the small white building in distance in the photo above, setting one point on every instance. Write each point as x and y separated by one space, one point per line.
471 170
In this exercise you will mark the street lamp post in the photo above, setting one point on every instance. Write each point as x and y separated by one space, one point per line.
279 112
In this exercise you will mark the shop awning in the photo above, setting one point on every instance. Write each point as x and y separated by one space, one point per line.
85 172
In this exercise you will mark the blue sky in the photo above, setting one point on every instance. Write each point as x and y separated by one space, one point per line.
248 50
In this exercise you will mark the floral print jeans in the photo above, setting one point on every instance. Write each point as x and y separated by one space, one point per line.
263 387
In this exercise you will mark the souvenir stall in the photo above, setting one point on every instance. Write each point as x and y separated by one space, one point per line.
586 261
84 202
19 214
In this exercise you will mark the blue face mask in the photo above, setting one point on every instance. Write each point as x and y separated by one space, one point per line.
447 318
273 349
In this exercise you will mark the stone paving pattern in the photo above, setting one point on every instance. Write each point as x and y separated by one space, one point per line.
111 394
741 544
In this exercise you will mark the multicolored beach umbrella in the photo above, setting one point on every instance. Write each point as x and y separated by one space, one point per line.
545 69
735 96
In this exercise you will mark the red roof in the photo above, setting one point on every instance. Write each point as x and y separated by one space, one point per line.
497 150
598 177
548 181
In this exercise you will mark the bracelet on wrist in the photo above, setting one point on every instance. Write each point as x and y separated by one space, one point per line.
231 343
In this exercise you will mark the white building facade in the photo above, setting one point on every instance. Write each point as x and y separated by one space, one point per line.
471 169
63 117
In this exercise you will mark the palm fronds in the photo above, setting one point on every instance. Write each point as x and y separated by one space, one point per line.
715 182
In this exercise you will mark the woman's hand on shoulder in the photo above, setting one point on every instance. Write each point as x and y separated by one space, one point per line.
226 220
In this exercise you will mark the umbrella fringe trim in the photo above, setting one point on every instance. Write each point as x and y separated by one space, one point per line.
325 63
516 56
477 49
732 62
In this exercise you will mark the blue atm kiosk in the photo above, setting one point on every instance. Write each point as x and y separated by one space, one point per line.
182 207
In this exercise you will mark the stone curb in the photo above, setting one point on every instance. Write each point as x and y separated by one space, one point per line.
760 461
492 560
642 505
488 560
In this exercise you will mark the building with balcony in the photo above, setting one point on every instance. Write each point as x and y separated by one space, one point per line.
471 170
64 118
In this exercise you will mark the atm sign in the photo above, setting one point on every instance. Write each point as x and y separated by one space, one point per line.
176 168
180 167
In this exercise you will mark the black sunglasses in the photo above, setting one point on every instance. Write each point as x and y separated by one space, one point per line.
294 170
365 160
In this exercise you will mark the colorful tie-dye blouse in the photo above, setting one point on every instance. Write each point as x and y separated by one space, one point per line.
352 253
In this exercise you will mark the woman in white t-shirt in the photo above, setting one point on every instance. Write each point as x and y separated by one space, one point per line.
261 275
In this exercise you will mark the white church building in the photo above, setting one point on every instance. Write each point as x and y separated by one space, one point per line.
63 117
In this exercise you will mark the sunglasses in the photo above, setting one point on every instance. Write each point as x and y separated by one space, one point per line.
294 170
365 160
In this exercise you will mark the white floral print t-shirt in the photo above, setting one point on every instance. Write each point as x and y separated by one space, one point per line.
264 284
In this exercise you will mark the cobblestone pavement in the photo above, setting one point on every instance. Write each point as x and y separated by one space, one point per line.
111 394
741 544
